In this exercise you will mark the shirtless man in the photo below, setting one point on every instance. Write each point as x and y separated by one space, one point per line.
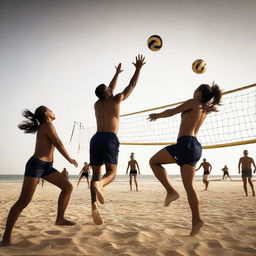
225 173
85 172
65 173
133 164
207 170
246 163
104 144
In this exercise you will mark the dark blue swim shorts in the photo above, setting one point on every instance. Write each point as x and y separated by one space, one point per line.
104 148
247 173
187 150
37 168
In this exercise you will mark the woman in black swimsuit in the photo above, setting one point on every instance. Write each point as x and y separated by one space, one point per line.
40 165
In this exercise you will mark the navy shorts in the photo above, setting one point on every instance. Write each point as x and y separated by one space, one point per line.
247 173
133 172
85 174
104 148
37 168
187 150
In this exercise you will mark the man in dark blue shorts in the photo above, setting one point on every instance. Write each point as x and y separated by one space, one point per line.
246 163
104 144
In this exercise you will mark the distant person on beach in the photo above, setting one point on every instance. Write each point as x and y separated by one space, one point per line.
225 173
42 181
246 162
65 173
85 172
207 170
40 166
104 145
133 165
187 152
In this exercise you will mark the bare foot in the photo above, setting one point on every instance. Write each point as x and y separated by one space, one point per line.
171 197
64 222
5 242
97 219
196 227
99 190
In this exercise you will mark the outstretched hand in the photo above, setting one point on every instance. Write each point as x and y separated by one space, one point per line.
153 117
73 161
118 68
139 61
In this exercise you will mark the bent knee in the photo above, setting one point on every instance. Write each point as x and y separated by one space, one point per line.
68 188
152 161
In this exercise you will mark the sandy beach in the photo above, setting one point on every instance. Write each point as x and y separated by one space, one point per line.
136 223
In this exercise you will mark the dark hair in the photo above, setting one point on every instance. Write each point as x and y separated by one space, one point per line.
34 120
99 91
211 96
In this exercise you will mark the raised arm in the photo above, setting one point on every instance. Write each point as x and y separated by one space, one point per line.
128 90
112 84
187 105
54 138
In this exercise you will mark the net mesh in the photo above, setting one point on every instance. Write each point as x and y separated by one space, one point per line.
234 124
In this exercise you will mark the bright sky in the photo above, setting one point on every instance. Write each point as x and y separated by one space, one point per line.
55 53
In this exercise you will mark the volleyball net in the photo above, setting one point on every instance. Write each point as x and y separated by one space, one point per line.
234 124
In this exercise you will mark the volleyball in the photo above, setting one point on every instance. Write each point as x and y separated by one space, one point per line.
155 43
199 66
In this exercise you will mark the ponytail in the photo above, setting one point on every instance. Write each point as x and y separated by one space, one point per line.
211 97
217 94
34 120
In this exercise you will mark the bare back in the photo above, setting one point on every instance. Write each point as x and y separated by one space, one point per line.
44 148
192 119
132 164
107 114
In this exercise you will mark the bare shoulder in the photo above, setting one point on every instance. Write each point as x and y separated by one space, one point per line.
118 97
46 126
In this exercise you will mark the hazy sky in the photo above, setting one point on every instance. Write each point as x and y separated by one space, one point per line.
56 52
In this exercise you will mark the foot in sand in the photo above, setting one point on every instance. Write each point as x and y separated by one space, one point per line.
5 242
64 222
196 227
171 197
97 219
99 190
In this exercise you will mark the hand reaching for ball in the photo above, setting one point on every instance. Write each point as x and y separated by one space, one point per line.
139 61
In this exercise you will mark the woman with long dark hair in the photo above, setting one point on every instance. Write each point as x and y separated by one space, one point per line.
40 166
187 151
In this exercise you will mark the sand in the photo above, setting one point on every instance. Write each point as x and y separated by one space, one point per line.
136 223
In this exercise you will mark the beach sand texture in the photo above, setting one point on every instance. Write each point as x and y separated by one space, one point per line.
136 223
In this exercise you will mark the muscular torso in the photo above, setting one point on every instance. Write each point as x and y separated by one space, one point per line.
107 115
44 148
132 164
206 166
191 120
246 162
85 169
